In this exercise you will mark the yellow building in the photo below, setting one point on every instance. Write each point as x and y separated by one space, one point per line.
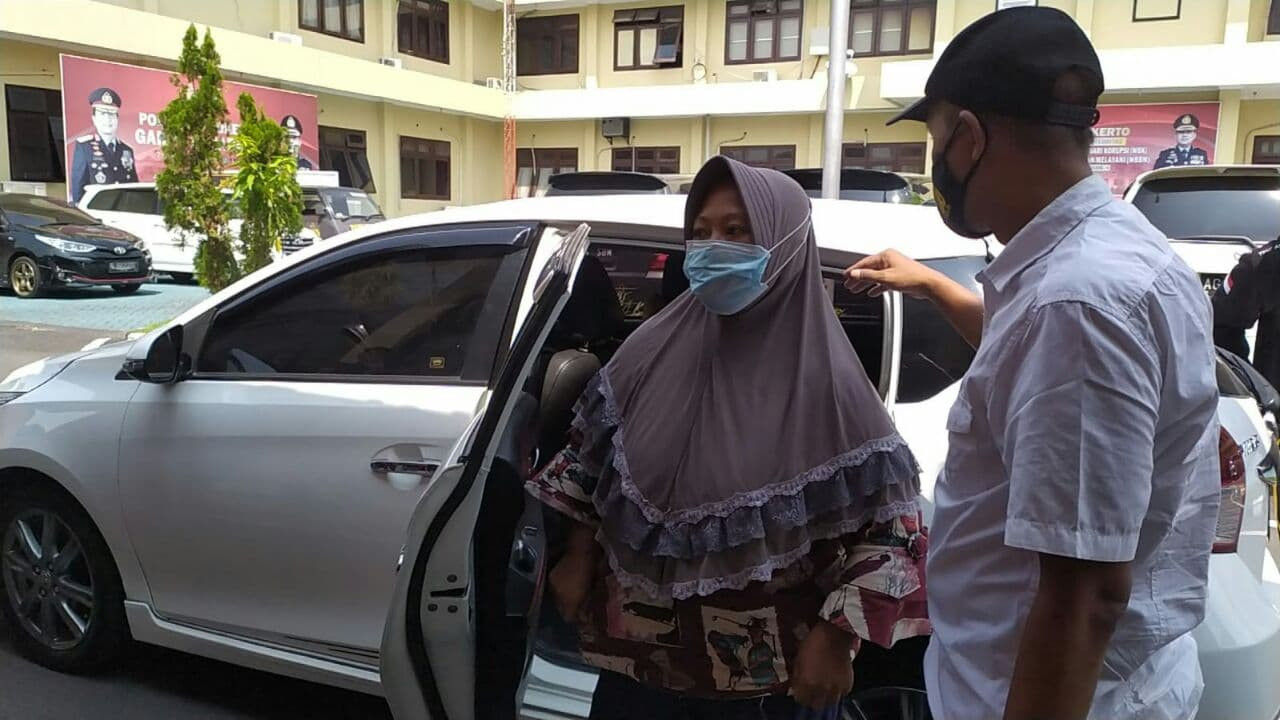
678 79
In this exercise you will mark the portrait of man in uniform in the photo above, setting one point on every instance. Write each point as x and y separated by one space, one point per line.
101 158
1184 152
293 128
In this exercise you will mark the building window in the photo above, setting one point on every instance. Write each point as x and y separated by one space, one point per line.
1266 150
759 31
891 27
776 157
655 160
535 166
346 152
340 18
424 169
422 29
547 45
892 157
1273 20
647 38
1144 10
35 134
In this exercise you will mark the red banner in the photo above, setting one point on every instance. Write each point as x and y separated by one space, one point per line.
1132 139
111 120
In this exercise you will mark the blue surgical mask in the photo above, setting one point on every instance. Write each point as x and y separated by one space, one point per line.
725 276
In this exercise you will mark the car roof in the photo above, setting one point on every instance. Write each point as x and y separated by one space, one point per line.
1202 171
843 225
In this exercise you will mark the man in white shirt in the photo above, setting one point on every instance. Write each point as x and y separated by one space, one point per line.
1076 509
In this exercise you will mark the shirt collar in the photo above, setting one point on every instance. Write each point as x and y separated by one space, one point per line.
1046 230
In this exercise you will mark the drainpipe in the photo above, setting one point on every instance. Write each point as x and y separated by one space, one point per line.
833 127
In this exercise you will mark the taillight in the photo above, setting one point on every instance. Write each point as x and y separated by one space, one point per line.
658 263
1231 507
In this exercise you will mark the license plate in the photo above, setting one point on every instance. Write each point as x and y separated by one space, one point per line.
123 267
1211 282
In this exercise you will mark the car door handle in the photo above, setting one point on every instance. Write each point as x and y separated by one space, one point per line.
410 467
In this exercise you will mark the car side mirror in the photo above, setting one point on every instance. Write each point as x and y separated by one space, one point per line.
165 362
340 216
4 224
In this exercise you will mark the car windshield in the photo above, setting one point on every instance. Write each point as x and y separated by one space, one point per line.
355 204
38 210
1213 206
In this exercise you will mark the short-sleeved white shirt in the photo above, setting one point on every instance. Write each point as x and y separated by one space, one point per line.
1086 427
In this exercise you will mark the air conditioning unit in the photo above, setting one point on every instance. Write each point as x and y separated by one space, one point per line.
286 38
1006 4
396 63
820 41
615 127
769 75
493 83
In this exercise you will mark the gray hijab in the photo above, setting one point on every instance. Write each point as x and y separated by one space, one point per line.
726 446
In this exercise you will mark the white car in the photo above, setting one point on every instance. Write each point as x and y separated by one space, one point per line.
240 482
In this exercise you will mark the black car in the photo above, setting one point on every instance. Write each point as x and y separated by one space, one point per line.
606 183
45 242
859 184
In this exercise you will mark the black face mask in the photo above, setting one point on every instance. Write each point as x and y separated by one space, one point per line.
950 193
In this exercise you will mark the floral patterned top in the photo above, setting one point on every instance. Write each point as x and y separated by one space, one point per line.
741 643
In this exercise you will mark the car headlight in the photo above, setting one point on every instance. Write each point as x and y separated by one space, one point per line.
66 246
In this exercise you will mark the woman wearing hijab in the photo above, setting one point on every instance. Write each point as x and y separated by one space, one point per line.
745 512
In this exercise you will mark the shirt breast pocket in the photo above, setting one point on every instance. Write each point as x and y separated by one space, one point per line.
963 446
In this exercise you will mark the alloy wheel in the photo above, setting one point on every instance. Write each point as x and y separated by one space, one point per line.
23 277
47 579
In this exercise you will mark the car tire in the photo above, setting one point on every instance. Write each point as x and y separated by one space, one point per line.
183 278
82 593
24 277
126 289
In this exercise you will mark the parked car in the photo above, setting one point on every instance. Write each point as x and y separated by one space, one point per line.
606 183
860 184
327 211
370 389
46 243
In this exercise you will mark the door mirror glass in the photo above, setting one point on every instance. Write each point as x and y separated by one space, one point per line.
340 216
164 363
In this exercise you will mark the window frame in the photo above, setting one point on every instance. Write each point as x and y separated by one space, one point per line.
512 274
1177 14
558 154
738 152
659 23
327 152
1257 157
895 148
416 8
435 144
778 16
57 149
657 151
877 10
534 69
341 32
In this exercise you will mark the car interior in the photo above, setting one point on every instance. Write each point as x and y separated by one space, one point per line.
619 285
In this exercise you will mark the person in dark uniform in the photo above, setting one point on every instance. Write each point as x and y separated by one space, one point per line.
293 128
101 158
1251 294
1184 129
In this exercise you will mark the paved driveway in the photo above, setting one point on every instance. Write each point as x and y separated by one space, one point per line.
101 308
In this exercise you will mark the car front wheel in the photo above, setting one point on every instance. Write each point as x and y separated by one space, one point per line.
24 278
61 592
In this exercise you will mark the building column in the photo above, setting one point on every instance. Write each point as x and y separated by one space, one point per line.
813 158
1084 16
1236 31
286 15
1224 150
390 156
944 25
468 50
591 57
590 157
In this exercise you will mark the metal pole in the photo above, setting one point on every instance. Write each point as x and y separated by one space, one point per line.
508 90
833 127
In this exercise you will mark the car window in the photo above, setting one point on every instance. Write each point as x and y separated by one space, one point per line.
36 210
1219 205
105 200
355 204
140 201
430 313
934 355
636 273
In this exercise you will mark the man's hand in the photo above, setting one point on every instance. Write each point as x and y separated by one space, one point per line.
891 270
571 581
823 672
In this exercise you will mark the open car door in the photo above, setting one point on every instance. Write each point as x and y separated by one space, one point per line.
468 593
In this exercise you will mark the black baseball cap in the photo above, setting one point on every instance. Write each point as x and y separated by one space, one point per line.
1007 63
